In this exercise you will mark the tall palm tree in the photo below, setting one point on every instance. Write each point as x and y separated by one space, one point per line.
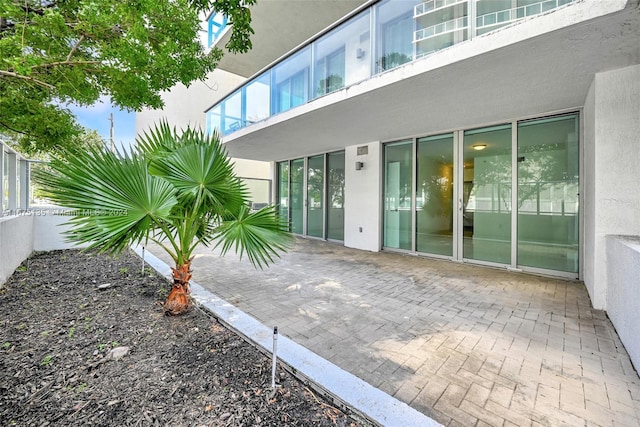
177 189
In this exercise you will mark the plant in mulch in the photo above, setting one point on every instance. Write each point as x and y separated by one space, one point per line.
177 189
67 318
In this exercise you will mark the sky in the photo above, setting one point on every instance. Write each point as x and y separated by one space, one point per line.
97 117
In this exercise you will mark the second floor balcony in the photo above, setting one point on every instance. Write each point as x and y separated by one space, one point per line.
384 36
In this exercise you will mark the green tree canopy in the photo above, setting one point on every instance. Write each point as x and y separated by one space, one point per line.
56 52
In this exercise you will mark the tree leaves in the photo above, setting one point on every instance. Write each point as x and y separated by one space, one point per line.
76 51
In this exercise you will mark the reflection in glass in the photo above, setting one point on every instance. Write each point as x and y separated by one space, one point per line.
440 24
335 196
395 27
487 194
342 56
297 195
434 195
257 99
214 120
548 183
232 113
290 80
397 191
315 196
493 14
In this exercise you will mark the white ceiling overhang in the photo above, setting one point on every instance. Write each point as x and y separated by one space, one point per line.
535 67
280 26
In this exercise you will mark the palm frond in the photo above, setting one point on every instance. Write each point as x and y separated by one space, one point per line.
159 139
261 234
112 199
201 172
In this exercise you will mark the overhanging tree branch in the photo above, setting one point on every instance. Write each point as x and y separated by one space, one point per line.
27 78
66 62
75 46
6 126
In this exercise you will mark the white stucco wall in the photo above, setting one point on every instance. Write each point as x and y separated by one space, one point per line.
588 188
623 292
362 198
611 175
16 243
47 233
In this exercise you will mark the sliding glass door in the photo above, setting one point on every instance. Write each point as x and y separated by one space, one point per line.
434 195
283 190
315 196
397 194
548 187
504 195
297 196
335 196
486 210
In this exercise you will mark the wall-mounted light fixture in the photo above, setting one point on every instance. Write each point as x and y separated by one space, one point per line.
360 53
479 147
359 165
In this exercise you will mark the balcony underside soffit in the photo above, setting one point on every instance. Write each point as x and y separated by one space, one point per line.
542 74
280 26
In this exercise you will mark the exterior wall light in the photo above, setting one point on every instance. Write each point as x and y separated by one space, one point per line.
359 165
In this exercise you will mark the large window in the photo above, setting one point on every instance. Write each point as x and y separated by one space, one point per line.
395 28
323 193
330 72
291 81
343 56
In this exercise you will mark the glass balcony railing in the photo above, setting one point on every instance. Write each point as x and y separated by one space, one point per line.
494 20
432 5
384 36
442 28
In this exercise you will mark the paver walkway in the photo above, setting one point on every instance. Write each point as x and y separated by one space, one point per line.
466 345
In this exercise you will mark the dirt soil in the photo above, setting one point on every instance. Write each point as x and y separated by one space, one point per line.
62 314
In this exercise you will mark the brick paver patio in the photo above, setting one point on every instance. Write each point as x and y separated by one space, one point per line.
466 345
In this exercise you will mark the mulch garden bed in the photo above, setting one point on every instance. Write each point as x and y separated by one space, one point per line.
62 314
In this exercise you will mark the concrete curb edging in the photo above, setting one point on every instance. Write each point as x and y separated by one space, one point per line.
332 380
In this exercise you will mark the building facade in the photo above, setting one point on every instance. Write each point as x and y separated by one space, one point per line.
495 132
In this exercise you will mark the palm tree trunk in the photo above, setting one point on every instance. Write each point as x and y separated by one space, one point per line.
178 301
